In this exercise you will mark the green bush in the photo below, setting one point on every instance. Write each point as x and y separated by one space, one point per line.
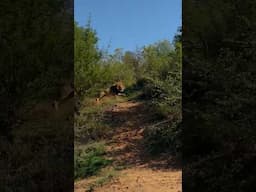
164 100
164 95
163 137
89 161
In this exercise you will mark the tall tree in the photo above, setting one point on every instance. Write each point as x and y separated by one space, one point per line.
87 57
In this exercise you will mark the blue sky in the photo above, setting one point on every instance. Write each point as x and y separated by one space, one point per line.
129 24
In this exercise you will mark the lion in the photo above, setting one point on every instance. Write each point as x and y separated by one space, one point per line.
116 89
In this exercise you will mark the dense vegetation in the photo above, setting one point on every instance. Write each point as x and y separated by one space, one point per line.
96 68
219 95
89 161
151 73
36 61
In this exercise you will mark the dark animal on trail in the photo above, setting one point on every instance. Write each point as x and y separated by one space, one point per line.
116 89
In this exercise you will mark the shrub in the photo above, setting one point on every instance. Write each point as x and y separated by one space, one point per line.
89 161
163 137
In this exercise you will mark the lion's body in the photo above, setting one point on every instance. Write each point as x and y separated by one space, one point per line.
116 89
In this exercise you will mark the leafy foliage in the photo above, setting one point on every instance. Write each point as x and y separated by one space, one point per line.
163 137
89 161
218 102
36 61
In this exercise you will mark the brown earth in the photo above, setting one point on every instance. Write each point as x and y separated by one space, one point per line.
141 172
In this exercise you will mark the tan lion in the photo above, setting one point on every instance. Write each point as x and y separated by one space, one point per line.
116 89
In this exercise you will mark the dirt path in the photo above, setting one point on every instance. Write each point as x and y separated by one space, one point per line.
141 172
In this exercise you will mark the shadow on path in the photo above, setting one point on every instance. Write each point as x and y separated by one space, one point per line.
126 146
